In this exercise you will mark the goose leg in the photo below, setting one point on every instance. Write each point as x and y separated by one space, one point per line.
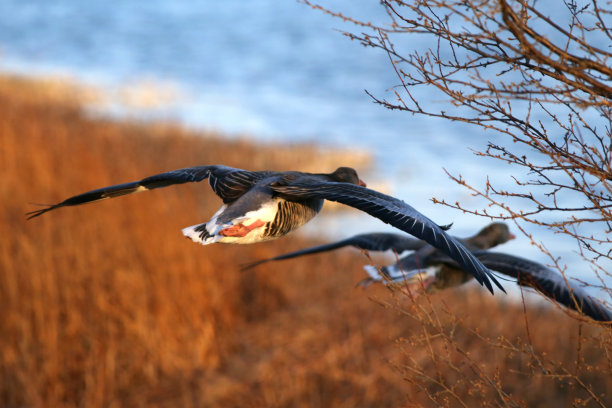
241 230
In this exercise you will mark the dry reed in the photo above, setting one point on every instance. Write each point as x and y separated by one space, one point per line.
107 305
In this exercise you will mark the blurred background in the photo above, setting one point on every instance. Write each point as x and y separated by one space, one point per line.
285 89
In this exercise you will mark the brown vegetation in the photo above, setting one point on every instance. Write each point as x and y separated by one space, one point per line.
108 305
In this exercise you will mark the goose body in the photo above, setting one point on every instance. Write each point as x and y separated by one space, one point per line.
424 263
271 219
264 205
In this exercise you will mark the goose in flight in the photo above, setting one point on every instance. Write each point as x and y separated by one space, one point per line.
264 205
433 271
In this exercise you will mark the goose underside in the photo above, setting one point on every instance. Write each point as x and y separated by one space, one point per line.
272 220
291 215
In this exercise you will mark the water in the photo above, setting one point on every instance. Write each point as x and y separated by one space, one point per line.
278 71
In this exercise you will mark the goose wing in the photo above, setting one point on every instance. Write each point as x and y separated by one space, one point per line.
227 182
369 242
230 183
391 211
546 281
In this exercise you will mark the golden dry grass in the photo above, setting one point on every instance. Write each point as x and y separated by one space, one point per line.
107 305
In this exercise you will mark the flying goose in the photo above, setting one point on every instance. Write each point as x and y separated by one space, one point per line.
264 205
430 269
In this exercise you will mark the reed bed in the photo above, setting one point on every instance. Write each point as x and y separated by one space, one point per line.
107 305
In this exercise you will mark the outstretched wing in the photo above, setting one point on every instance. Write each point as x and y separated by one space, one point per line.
369 242
228 183
391 211
546 281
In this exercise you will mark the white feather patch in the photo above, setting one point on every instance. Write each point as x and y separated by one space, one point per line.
266 213
373 272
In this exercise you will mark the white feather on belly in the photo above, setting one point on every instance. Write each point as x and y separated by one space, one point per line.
396 274
265 214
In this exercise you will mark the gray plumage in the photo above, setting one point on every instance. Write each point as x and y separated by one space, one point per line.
249 195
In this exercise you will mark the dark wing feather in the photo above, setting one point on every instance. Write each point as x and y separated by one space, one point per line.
391 211
368 242
225 178
382 241
230 183
546 281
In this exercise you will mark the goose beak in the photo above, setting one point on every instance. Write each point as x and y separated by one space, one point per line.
361 183
512 236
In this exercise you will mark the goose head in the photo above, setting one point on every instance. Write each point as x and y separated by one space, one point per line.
346 175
